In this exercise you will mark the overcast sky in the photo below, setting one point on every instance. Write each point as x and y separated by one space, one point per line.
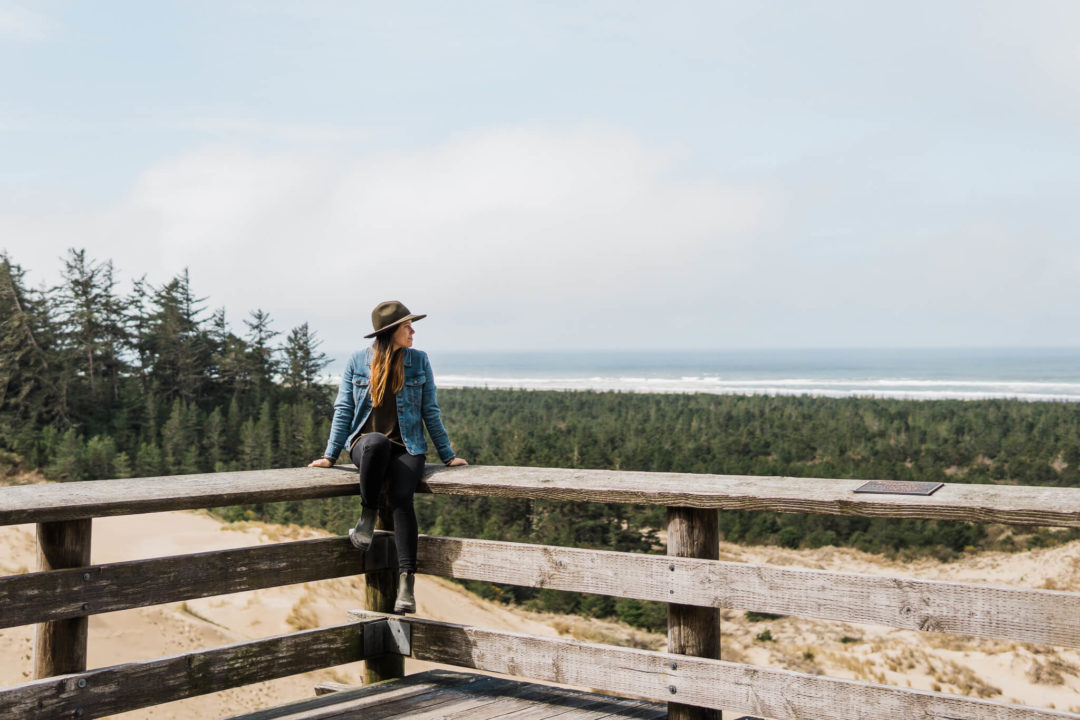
563 175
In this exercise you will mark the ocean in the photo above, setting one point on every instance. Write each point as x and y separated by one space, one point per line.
1025 374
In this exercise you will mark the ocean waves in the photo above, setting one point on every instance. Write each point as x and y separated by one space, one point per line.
899 388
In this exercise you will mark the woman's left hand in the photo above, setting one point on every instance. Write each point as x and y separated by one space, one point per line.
457 461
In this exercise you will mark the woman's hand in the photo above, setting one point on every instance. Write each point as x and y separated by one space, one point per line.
322 462
457 461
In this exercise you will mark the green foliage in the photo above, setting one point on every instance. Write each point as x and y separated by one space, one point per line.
765 636
94 384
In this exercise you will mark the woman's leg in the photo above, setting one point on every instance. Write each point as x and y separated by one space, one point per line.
404 473
371 454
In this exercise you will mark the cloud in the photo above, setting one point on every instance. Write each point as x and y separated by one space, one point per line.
18 23
514 231
584 237
1036 50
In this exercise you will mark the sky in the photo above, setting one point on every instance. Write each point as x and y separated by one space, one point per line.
563 175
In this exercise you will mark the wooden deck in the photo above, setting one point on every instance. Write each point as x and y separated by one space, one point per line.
438 694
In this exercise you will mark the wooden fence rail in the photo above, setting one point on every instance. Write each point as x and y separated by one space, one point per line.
105 691
1037 616
1050 617
78 592
1010 504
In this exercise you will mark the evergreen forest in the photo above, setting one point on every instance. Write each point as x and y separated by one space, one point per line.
95 383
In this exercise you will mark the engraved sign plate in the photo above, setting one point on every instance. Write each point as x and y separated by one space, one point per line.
898 487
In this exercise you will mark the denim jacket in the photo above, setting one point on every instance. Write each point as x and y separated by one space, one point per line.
415 402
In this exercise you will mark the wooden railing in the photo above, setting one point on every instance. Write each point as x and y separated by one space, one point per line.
691 677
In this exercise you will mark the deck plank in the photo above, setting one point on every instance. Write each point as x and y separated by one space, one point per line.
448 695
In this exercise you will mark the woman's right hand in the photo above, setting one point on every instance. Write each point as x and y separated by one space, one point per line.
322 462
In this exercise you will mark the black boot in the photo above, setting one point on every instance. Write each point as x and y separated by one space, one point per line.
361 535
406 599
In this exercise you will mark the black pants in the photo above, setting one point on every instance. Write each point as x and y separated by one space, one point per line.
382 463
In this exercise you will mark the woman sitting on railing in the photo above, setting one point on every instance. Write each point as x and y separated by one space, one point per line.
387 390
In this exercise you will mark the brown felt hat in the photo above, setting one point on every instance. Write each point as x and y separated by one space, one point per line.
390 314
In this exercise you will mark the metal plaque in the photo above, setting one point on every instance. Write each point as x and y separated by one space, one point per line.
898 487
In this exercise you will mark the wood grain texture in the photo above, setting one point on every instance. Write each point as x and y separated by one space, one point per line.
692 630
1037 616
359 700
120 688
75 593
446 695
60 644
380 592
765 692
104 498
1012 504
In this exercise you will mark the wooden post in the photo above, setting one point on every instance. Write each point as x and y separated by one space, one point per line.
380 592
693 630
60 645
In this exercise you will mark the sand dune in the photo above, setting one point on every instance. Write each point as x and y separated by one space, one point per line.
1018 672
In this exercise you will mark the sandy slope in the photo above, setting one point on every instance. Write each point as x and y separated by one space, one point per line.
1001 670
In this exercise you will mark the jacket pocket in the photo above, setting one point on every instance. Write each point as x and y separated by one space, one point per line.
360 389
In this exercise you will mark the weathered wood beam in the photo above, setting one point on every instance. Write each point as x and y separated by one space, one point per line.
1011 504
117 689
82 591
132 496
658 676
692 630
380 592
1036 616
60 645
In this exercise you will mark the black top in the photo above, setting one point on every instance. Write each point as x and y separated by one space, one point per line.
383 419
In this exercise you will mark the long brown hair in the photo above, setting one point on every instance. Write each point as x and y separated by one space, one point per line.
386 364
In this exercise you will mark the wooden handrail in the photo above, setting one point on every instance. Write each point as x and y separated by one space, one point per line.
1011 504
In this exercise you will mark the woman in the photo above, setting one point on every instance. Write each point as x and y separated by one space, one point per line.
387 390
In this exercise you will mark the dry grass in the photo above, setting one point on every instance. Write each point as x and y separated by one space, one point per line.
1050 670
274 533
27 478
303 615
188 610
607 632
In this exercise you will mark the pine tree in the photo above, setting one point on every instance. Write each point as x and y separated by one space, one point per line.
93 335
303 361
29 377
177 436
213 438
68 461
177 348
263 364
148 460
229 358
